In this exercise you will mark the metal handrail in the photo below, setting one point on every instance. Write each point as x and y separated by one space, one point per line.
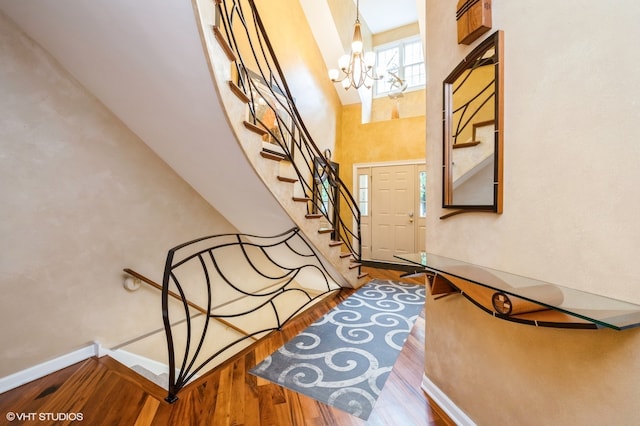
200 273
262 80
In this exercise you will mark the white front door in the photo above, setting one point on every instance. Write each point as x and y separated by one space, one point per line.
393 215
392 201
392 209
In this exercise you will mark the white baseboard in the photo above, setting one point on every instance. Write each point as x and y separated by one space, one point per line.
38 371
443 401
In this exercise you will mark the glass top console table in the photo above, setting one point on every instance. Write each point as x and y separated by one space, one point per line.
524 300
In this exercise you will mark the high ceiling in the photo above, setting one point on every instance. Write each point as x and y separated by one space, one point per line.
377 15
384 15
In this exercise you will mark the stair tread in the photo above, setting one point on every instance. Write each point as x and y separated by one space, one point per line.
223 43
255 128
287 179
238 92
301 199
313 215
335 243
272 156
325 230
29 397
128 374
115 381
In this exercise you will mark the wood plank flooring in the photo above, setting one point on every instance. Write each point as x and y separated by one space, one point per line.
107 393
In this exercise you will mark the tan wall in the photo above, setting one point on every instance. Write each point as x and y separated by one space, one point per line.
82 198
375 142
411 104
380 141
570 215
304 69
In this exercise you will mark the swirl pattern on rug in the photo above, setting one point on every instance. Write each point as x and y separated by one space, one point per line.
345 357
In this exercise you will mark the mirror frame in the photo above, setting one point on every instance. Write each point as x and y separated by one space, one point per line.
497 40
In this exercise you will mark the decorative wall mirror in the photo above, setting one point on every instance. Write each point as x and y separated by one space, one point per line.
473 130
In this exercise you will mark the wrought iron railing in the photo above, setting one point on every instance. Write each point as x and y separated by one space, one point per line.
272 108
233 289
474 100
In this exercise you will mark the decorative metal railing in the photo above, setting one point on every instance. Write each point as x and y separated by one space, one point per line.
474 99
221 293
272 108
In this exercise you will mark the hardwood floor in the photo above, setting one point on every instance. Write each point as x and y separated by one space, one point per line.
106 393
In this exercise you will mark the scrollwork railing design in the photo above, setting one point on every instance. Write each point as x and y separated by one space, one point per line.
272 108
223 292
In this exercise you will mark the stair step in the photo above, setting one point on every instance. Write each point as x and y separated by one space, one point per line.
129 374
287 179
30 397
99 380
223 43
272 156
355 265
161 380
301 199
362 275
254 128
220 36
238 92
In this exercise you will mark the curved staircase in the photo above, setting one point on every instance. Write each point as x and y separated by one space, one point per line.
148 66
282 171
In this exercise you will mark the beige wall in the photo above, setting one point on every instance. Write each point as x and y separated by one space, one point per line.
570 215
82 198
380 141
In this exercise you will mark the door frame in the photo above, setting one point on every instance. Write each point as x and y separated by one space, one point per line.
355 183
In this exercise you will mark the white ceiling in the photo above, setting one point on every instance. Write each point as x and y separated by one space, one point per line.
384 15
378 15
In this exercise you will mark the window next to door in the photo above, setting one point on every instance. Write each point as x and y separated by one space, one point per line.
392 202
422 181
363 194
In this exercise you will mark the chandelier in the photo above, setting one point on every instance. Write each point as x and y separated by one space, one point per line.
358 67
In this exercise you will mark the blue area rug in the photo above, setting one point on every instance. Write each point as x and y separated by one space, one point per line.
344 358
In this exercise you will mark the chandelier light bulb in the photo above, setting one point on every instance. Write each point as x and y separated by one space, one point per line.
343 62
356 47
356 44
358 66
